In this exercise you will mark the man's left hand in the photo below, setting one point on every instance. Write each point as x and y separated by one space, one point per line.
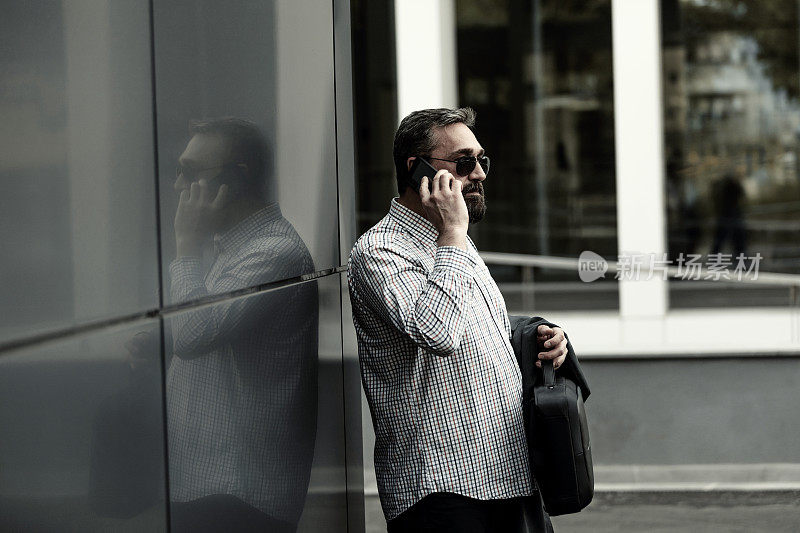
553 345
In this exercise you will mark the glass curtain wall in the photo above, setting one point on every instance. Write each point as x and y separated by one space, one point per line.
375 96
539 74
171 336
732 132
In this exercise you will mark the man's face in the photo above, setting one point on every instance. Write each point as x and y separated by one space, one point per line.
203 158
457 140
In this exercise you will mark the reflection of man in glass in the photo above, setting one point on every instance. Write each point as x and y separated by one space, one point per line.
241 387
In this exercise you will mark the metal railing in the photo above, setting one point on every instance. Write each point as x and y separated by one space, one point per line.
527 263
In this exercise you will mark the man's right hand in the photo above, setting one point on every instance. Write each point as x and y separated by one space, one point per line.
198 214
445 207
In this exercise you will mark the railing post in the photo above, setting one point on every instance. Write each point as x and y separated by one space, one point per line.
528 297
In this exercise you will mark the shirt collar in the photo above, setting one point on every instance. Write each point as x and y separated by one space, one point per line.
419 226
247 229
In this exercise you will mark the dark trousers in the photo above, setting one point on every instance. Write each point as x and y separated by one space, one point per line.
444 512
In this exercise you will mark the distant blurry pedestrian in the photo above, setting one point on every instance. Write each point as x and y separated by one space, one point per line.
728 198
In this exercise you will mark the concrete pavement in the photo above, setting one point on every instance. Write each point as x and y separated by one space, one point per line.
668 512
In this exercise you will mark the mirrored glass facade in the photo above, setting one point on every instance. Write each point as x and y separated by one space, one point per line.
76 160
539 76
82 447
253 390
732 128
171 345
246 119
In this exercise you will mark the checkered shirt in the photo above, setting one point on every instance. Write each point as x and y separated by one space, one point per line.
437 366
241 385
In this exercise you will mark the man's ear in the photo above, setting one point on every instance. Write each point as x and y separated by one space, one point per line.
409 162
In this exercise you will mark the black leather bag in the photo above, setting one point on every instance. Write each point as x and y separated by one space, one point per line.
561 454
555 423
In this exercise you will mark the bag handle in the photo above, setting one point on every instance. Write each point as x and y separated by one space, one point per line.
549 373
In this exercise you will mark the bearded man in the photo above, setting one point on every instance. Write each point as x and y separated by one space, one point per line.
438 368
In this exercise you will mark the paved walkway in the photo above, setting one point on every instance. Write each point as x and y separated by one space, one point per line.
715 512
702 512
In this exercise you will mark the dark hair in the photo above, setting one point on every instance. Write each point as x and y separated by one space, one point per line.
416 136
245 145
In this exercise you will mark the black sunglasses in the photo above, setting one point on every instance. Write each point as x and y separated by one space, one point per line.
465 165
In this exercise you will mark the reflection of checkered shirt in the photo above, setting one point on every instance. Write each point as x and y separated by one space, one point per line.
241 386
437 365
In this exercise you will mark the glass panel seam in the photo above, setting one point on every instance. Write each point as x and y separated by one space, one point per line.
165 311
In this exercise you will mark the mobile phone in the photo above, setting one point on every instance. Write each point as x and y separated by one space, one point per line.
420 168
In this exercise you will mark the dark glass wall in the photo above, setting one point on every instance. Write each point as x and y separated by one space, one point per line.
732 136
539 75
82 447
171 348
76 160
375 92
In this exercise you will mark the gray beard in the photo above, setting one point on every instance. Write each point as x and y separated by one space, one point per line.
476 208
